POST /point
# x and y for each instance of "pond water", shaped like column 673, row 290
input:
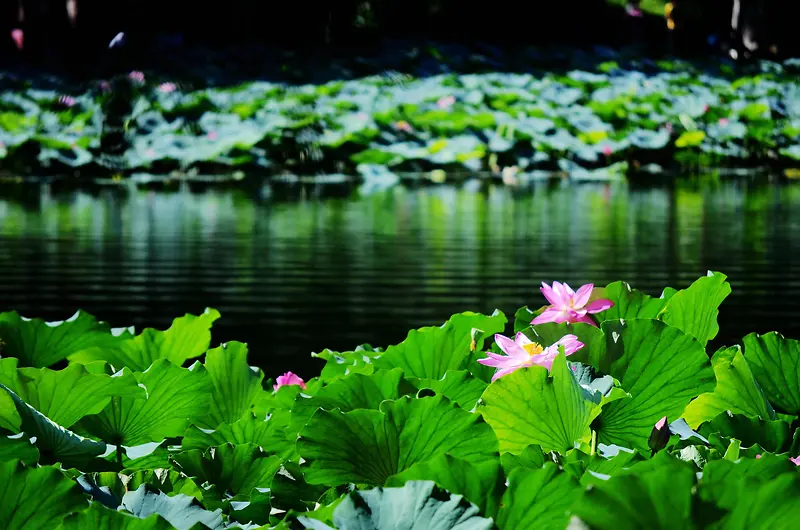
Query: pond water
column 297, row 270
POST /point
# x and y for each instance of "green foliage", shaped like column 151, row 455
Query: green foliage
column 414, row 436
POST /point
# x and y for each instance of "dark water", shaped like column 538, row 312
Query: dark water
column 295, row 272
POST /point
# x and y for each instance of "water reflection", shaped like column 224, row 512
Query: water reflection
column 292, row 275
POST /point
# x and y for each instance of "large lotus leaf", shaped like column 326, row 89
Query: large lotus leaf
column 340, row 364
column 662, row 368
column 175, row 397
column 18, row 448
column 481, row 483
column 352, row 392
column 539, row 498
column 775, row 363
column 182, row 512
column 419, row 505
column 737, row 391
column 54, row 442
column 98, row 517
column 530, row 406
column 430, row 352
column 35, row 497
column 630, row 303
column 532, row 457
column 458, row 386
column 655, row 498
column 369, row 446
column 65, row 396
column 236, row 385
column 771, row 435
column 289, row 490
column 646, row 139
column 695, row 309
column 39, row 344
column 188, row 337
column 269, row 434
column 230, row 469
column 726, row 483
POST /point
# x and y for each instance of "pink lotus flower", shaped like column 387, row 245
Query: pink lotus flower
column 137, row 76
column 18, row 37
column 166, row 88
column 723, row 121
column 288, row 379
column 403, row 126
column 633, row 11
column 523, row 352
column 796, row 460
column 446, row 102
column 705, row 108
column 607, row 150
column 758, row 456
column 570, row 306
column 66, row 101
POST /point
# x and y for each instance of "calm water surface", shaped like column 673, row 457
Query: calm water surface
column 295, row 272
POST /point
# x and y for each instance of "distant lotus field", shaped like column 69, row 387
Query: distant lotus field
column 604, row 120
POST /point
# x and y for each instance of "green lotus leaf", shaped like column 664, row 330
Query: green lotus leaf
column 532, row 406
column 481, row 483
column 36, row 497
column 725, row 482
column 423, row 505
column 180, row 511
column 352, row 392
column 532, row 457
column 339, row 364
column 188, row 337
column 458, row 386
column 771, row 435
column 369, row 446
column 18, row 448
column 289, row 491
column 737, row 391
column 98, row 517
column 695, row 309
column 655, row 498
column 236, row 385
column 40, row 344
column 230, row 469
column 271, row 434
column 175, row 397
column 168, row 481
column 430, row 352
column 539, row 498
column 629, row 303
column 661, row 367
column 690, row 139
column 775, row 363
column 54, row 442
column 65, row 396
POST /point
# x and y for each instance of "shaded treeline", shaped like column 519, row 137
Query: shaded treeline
column 73, row 33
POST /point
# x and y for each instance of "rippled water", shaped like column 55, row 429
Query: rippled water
column 298, row 271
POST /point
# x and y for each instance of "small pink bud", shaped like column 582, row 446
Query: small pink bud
column 723, row 121
column 758, row 456
column 66, row 101
column 212, row 135
column 705, row 108
column 18, row 37
column 446, row 102
column 607, row 150
column 105, row 86
column 403, row 126
column 166, row 88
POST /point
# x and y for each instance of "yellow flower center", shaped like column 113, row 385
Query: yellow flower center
column 533, row 349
